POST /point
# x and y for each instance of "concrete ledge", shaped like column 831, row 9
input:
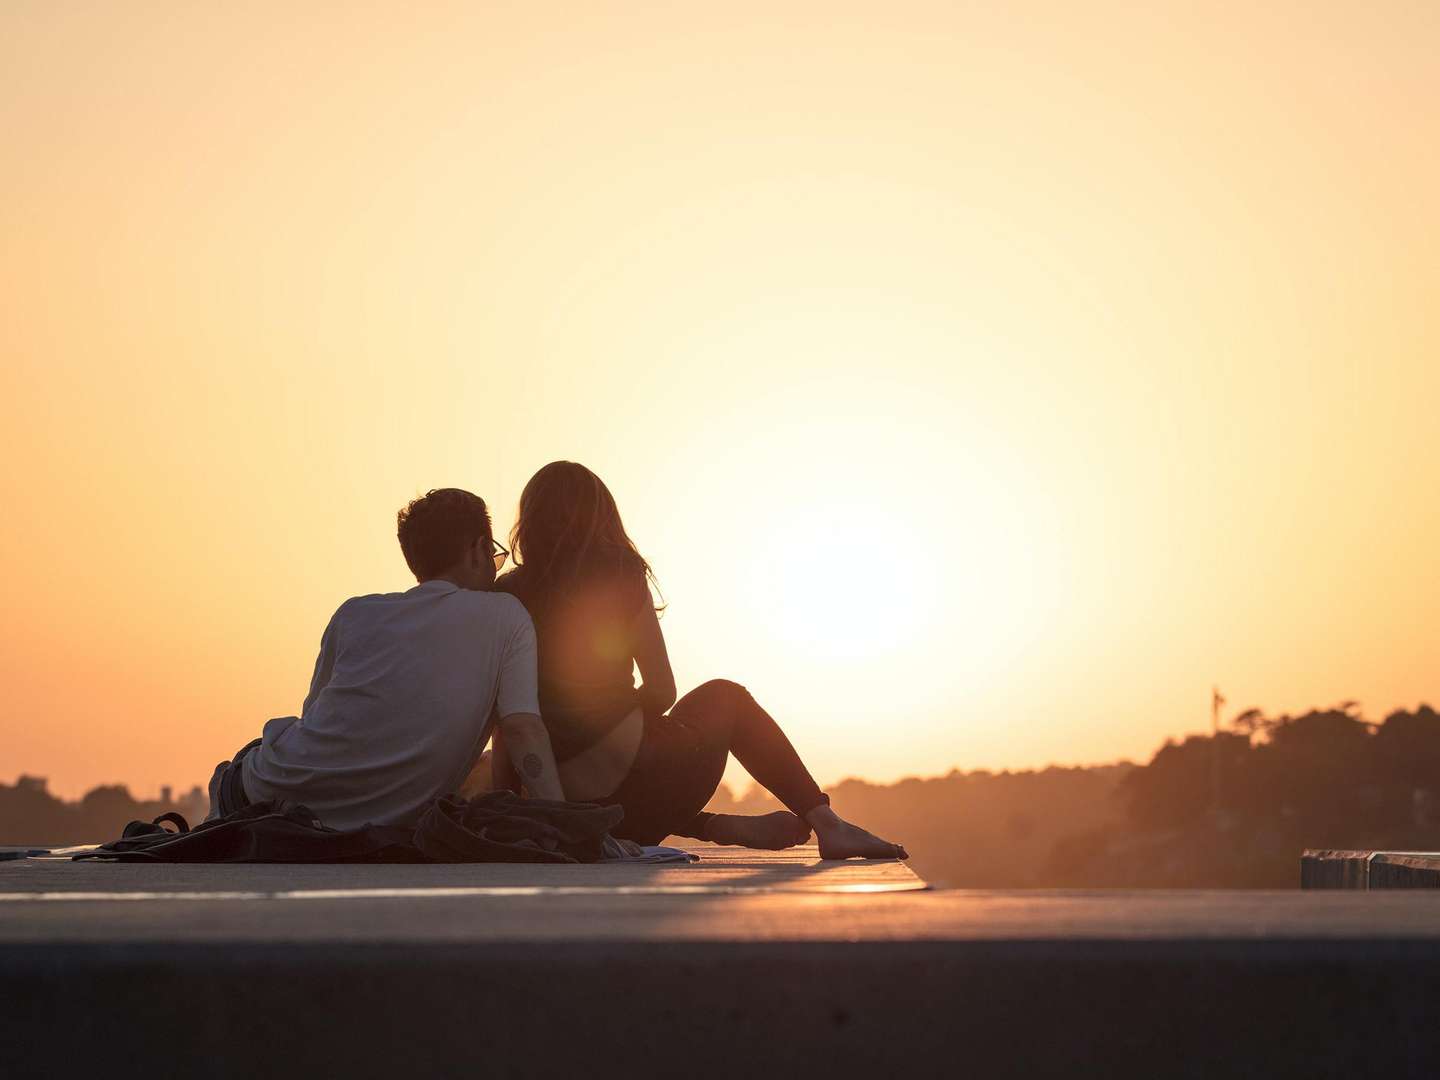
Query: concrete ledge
column 742, row 965
column 1329, row 869
column 713, row 1009
column 1404, row 870
column 1326, row 869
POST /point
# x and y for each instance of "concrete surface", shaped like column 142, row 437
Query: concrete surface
column 1327, row 869
column 745, row 965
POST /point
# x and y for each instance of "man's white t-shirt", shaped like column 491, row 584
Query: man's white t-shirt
column 400, row 704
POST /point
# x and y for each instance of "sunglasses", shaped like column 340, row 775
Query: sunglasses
column 498, row 553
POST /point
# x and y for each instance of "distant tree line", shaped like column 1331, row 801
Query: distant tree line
column 31, row 815
column 1233, row 810
column 1236, row 809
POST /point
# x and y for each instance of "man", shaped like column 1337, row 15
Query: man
column 405, row 687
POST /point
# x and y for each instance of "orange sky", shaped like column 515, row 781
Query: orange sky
column 983, row 381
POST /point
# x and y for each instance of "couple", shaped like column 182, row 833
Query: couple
column 409, row 687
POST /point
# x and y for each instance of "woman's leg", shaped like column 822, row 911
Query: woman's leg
column 681, row 759
column 680, row 763
column 676, row 771
column 758, row 743
column 725, row 712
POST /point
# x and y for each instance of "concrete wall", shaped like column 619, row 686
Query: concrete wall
column 733, row 1010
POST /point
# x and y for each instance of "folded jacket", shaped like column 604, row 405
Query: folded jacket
column 496, row 827
column 500, row 826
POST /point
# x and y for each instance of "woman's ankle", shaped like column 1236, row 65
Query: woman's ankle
column 726, row 829
column 702, row 827
column 823, row 818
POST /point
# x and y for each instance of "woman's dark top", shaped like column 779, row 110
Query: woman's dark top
column 584, row 631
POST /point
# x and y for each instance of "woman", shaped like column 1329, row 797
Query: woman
column 587, row 590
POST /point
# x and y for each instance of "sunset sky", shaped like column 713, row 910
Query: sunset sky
column 983, row 381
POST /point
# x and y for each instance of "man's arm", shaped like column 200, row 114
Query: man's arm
column 503, row 776
column 522, row 735
column 324, row 664
column 527, row 744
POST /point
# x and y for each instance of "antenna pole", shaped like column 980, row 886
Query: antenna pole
column 1216, row 700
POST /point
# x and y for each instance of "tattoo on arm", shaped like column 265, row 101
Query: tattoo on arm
column 532, row 766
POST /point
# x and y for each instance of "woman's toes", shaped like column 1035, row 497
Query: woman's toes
column 853, row 842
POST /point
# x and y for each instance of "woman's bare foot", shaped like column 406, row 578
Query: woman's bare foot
column 771, row 832
column 841, row 840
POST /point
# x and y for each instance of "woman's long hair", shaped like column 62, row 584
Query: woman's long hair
column 569, row 526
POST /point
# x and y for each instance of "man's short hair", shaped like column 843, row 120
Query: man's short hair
column 436, row 529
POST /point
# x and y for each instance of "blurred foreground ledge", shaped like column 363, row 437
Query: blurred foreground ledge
column 746, row 964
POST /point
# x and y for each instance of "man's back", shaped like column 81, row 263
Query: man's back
column 400, row 704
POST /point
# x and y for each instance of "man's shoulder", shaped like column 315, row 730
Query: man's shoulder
column 355, row 603
column 494, row 616
column 496, row 609
column 372, row 607
column 493, row 606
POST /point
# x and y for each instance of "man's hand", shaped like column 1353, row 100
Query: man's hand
column 527, row 743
